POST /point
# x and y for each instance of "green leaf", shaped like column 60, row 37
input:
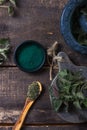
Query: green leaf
column 85, row 102
column 57, row 104
column 68, row 97
column 4, row 41
column 4, row 48
column 74, row 88
column 13, row 2
column 10, row 10
column 63, row 73
column 71, row 87
column 80, row 95
column 77, row 104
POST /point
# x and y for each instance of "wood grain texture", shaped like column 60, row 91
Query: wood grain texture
column 36, row 20
column 65, row 127
column 42, row 3
column 13, row 90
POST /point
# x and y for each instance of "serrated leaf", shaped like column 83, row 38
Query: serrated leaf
column 63, row 73
column 80, row 95
column 4, row 48
column 68, row 97
column 71, row 87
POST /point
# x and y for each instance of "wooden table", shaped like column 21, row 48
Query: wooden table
column 37, row 20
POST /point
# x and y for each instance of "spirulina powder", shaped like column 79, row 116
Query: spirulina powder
column 30, row 57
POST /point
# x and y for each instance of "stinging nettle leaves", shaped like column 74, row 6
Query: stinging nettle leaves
column 79, row 34
column 4, row 49
column 71, row 87
column 10, row 5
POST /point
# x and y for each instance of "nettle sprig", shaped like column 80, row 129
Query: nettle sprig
column 51, row 54
column 72, row 89
column 4, row 49
column 10, row 7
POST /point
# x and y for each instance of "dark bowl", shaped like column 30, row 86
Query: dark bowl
column 30, row 56
column 74, row 25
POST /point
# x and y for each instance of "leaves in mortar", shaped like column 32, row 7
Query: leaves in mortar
column 4, row 49
column 79, row 34
column 77, row 104
column 70, row 89
column 82, row 38
column 84, row 11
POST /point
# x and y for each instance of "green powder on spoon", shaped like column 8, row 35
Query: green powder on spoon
column 33, row 91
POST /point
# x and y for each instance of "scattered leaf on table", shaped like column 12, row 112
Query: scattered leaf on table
column 4, row 49
column 10, row 10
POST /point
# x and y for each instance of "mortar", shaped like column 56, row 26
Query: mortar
column 74, row 25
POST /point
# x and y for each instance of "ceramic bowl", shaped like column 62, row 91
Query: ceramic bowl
column 30, row 56
column 73, row 19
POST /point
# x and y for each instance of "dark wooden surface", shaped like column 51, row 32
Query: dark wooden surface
column 37, row 20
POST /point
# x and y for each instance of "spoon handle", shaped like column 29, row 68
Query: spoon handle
column 22, row 116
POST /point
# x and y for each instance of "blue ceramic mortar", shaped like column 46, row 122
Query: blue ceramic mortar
column 67, row 22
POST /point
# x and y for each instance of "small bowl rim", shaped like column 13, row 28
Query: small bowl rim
column 15, row 55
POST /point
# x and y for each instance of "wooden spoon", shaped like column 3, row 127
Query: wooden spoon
column 27, row 106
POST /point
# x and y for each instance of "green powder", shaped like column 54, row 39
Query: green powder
column 33, row 91
column 30, row 57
